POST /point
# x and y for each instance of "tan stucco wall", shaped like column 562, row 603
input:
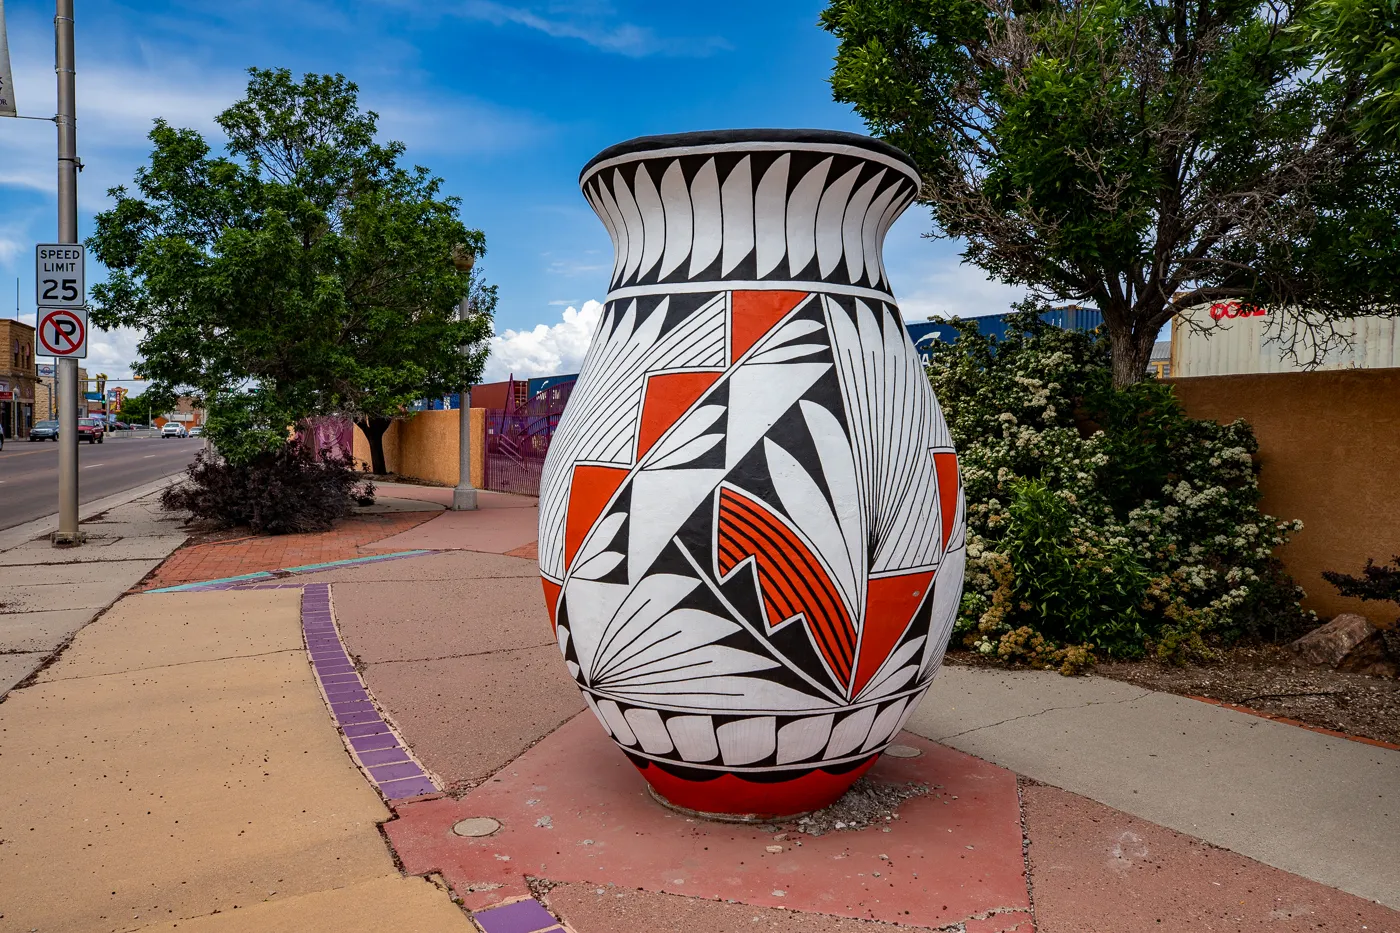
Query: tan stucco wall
column 1329, row 450
column 425, row 447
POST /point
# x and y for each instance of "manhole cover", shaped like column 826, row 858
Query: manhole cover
column 476, row 826
column 903, row 751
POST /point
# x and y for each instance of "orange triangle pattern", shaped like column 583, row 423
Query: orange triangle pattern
column 946, row 467
column 551, row 600
column 890, row 602
column 668, row 396
column 753, row 314
column 589, row 493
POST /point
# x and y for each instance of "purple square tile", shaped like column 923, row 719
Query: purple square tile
column 350, row 678
column 396, row 772
column 370, row 743
column 521, row 917
column 346, row 707
column 325, row 657
column 409, row 787
column 333, row 668
column 357, row 718
column 344, row 693
column 383, row 756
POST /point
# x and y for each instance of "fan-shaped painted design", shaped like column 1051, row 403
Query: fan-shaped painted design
column 750, row 518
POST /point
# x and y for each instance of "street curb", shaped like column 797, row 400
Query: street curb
column 12, row 538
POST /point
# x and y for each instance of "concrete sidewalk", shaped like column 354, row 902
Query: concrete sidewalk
column 177, row 768
column 47, row 594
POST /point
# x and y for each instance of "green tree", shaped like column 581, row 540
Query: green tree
column 304, row 272
column 1144, row 155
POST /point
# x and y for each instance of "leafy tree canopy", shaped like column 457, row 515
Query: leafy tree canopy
column 303, row 272
column 1148, row 155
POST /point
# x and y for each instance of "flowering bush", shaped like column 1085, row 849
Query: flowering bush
column 1102, row 520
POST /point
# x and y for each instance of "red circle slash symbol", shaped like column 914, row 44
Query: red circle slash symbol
column 61, row 332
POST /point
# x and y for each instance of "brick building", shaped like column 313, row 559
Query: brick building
column 46, row 392
column 17, row 378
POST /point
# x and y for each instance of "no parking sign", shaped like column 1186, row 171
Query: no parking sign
column 63, row 332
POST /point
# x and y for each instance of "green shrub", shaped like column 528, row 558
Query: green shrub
column 1100, row 519
column 286, row 490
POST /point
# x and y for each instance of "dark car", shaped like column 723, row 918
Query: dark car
column 119, row 426
column 44, row 431
column 90, row 430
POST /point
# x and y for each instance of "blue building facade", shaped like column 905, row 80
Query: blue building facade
column 1071, row 317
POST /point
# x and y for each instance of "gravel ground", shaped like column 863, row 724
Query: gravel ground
column 867, row 803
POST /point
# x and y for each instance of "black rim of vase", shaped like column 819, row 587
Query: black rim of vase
column 645, row 144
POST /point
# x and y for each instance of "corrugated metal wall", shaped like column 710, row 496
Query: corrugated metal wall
column 1237, row 342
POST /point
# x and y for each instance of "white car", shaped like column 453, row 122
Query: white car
column 174, row 429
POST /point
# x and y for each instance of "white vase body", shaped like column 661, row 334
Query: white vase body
column 751, row 524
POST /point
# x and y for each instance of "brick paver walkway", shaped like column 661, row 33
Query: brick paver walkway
column 247, row 555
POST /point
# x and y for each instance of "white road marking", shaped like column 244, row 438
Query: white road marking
column 148, row 456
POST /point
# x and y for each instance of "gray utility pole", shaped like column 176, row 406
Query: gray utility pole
column 464, row 494
column 67, row 375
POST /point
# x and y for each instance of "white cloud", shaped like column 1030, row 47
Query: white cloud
column 948, row 288
column 588, row 23
column 547, row 350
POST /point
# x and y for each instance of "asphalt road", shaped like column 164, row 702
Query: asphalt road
column 29, row 471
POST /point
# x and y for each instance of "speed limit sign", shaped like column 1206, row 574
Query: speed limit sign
column 60, row 275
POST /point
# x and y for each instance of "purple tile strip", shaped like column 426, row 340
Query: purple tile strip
column 396, row 772
column 412, row 787
column 527, row 916
column 375, row 746
column 383, row 756
column 373, row 742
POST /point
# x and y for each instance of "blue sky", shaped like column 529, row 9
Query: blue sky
column 505, row 100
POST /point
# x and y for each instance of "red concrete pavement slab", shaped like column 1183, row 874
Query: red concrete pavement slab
column 573, row 809
column 497, row 530
column 1098, row 870
column 465, row 717
column 400, row 621
column 588, row 908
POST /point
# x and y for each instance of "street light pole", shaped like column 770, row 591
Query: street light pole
column 464, row 494
column 67, row 376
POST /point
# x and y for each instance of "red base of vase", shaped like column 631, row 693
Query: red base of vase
column 729, row 796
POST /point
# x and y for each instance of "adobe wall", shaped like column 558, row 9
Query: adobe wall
column 425, row 447
column 1329, row 450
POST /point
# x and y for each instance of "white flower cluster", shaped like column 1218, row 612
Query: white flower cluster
column 1150, row 493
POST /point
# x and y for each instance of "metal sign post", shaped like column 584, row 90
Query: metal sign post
column 68, row 166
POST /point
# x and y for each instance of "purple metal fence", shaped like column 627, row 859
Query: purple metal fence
column 518, row 439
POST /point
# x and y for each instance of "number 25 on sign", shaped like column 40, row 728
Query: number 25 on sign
column 60, row 275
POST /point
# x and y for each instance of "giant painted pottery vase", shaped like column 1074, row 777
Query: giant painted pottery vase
column 751, row 525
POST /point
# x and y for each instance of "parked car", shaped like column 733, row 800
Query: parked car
column 119, row 426
column 90, row 430
column 197, row 431
column 174, row 429
column 44, row 431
